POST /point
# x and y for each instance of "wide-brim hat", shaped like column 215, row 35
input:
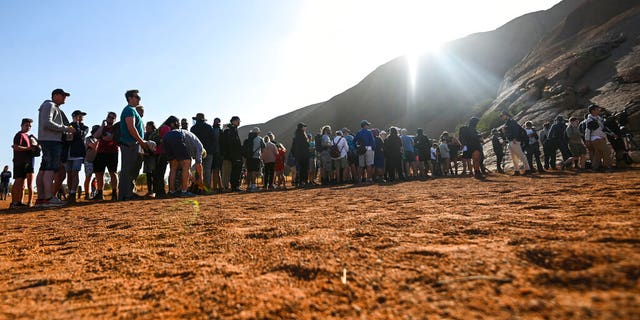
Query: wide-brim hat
column 200, row 117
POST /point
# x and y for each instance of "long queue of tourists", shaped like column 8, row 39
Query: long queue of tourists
column 223, row 160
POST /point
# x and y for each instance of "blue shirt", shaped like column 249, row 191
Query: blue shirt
column 365, row 137
column 407, row 143
column 127, row 112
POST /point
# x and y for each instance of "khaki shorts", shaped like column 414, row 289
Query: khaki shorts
column 340, row 163
column 366, row 159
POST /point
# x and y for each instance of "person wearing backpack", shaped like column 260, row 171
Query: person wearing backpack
column 339, row 151
column 514, row 134
column 269, row 157
column 544, row 141
column 326, row 165
column 596, row 139
column 558, row 140
column 576, row 146
column 533, row 146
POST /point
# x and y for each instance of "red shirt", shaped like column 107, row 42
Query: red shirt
column 162, row 131
column 107, row 146
column 22, row 139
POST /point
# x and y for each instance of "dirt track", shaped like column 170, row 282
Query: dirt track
column 551, row 246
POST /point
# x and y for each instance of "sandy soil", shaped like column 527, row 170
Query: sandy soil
column 550, row 246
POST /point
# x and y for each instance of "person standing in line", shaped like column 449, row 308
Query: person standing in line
column 131, row 141
column 77, row 152
column 422, row 145
column 557, row 140
column 515, row 136
column 91, row 147
column 300, row 152
column 269, row 155
column 184, row 124
column 366, row 145
column 51, row 127
column 204, row 132
column 546, row 145
column 576, row 146
column 106, row 157
column 150, row 158
column 393, row 155
column 498, row 148
column 254, row 158
column 4, row 182
column 471, row 139
column 532, row 148
column 341, row 164
column 596, row 139
column 24, row 148
column 216, row 165
column 231, row 147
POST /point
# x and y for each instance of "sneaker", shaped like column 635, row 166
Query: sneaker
column 516, row 173
column 17, row 205
column 41, row 203
column 98, row 196
column 56, row 202
column 185, row 194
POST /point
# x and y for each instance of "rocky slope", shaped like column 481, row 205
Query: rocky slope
column 448, row 85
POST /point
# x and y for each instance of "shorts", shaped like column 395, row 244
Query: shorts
column 325, row 160
column 174, row 147
column 149, row 164
column 253, row 165
column 4, row 188
column 366, row 159
column 105, row 160
column 352, row 158
column 20, row 170
column 340, row 163
column 409, row 156
column 577, row 149
column 75, row 165
column 217, row 162
column 51, row 155
column 88, row 168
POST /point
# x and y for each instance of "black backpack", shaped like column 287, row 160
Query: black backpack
column 247, row 148
column 116, row 133
column 334, row 150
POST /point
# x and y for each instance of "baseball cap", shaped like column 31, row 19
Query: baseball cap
column 364, row 123
column 78, row 112
column 60, row 91
column 593, row 106
column 301, row 125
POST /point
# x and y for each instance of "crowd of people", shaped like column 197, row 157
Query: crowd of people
column 210, row 158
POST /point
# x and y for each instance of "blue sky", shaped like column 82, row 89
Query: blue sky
column 253, row 58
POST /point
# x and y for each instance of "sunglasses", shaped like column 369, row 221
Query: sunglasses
column 112, row 118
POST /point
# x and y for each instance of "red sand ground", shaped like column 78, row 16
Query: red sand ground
column 550, row 246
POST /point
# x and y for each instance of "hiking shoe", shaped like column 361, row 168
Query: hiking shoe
column 516, row 173
column 98, row 196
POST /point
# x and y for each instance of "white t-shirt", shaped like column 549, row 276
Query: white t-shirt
column 342, row 144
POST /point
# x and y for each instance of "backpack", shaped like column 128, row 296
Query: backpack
column 334, row 150
column 247, row 148
column 155, row 137
column 522, row 135
column 116, row 133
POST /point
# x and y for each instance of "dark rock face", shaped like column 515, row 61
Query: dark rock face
column 537, row 66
